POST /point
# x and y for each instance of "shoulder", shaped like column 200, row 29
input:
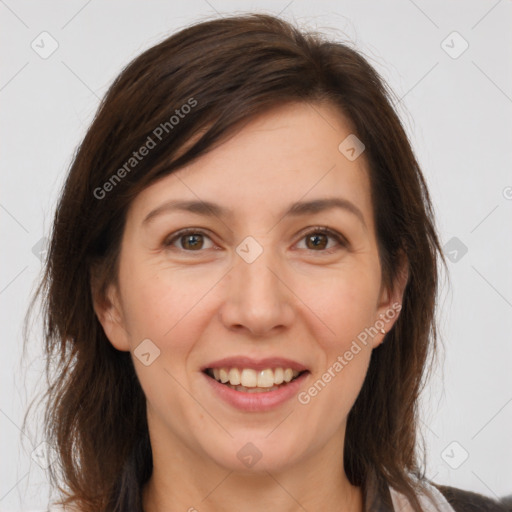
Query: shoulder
column 467, row 501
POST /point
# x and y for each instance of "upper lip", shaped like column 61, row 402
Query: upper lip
column 255, row 364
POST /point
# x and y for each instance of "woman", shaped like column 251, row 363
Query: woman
column 240, row 286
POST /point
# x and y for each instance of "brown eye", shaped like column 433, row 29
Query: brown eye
column 318, row 240
column 192, row 241
column 188, row 240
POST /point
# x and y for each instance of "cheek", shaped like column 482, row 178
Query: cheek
column 345, row 302
column 157, row 305
column 327, row 400
column 344, row 362
column 342, row 311
column 170, row 313
column 171, row 309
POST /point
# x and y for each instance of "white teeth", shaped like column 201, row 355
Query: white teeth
column 266, row 379
column 223, row 375
column 234, row 377
column 288, row 375
column 278, row 376
column 249, row 378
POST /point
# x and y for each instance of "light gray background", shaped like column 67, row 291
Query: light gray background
column 457, row 112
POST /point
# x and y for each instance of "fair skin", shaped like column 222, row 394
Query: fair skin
column 298, row 300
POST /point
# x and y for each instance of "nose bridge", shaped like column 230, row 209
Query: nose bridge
column 258, row 282
column 256, row 277
column 257, row 298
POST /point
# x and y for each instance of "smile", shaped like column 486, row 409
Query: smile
column 254, row 384
column 248, row 380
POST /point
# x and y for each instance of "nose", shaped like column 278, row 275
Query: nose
column 258, row 299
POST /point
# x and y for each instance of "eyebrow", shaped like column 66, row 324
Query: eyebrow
column 209, row 209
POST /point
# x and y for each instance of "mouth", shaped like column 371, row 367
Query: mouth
column 250, row 380
column 255, row 385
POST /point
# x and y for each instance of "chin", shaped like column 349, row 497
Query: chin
column 254, row 454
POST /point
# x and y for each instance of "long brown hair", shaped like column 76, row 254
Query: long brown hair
column 227, row 71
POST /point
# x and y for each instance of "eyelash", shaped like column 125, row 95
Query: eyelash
column 319, row 230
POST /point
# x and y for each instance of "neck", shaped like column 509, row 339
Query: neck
column 185, row 480
column 253, row 493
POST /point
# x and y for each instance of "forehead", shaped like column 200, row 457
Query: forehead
column 288, row 154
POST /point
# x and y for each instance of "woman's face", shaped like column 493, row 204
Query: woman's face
column 251, row 290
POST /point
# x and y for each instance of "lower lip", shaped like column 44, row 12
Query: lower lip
column 255, row 402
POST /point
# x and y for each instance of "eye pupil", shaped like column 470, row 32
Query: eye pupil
column 191, row 241
column 315, row 240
